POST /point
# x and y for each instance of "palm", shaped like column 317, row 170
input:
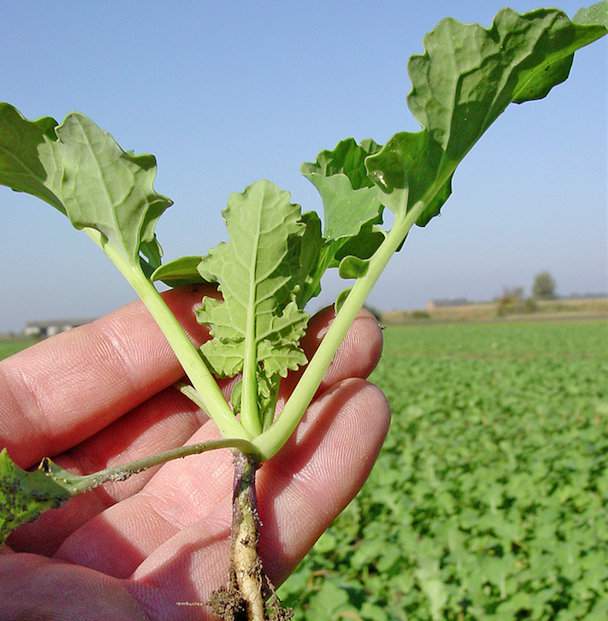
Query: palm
column 156, row 546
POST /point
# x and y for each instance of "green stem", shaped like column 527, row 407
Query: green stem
column 271, row 441
column 188, row 355
column 250, row 416
column 78, row 484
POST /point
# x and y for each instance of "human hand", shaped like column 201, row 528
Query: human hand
column 156, row 545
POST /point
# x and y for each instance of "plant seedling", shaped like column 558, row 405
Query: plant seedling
column 276, row 255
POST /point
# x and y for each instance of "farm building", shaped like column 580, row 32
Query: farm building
column 44, row 329
column 431, row 305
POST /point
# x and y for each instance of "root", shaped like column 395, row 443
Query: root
column 249, row 596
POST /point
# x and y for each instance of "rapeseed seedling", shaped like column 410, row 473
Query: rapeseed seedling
column 274, row 259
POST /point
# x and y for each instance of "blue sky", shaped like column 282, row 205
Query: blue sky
column 227, row 93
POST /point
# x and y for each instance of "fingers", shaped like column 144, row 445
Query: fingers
column 300, row 493
column 181, row 492
column 63, row 390
column 319, row 471
column 187, row 490
column 358, row 354
column 166, row 421
column 32, row 587
column 163, row 422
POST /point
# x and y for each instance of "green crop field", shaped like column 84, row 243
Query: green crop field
column 12, row 346
column 490, row 498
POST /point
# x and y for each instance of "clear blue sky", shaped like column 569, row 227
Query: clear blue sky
column 226, row 93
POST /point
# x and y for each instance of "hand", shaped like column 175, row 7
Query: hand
column 102, row 395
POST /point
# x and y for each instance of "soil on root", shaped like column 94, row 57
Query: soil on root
column 249, row 595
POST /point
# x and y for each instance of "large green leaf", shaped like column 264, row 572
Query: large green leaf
column 106, row 188
column 255, row 273
column 81, row 170
column 465, row 79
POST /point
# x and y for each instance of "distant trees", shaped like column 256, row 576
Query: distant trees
column 544, row 286
column 513, row 302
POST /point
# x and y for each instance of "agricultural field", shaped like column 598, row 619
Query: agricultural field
column 12, row 346
column 489, row 500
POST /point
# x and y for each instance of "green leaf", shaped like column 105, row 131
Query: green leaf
column 27, row 157
column 25, row 495
column 363, row 245
column 179, row 272
column 351, row 208
column 405, row 168
column 236, row 395
column 105, row 188
column 353, row 267
column 595, row 14
column 465, row 79
column 341, row 299
column 254, row 271
column 151, row 254
column 429, row 576
column 349, row 196
column 306, row 259
column 327, row 601
column 81, row 170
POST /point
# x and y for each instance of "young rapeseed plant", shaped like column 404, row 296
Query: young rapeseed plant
column 275, row 257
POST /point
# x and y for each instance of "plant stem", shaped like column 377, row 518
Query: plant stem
column 79, row 483
column 245, row 563
column 271, row 441
column 188, row 355
column 249, row 594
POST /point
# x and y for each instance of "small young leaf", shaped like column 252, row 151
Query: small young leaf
column 179, row 272
column 256, row 278
column 236, row 395
column 305, row 260
column 349, row 196
column 151, row 255
column 353, row 267
column 341, row 299
column 351, row 206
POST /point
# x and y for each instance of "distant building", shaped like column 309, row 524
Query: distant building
column 584, row 296
column 431, row 305
column 43, row 329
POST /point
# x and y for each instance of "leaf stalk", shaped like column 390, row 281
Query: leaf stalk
column 210, row 394
column 78, row 484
